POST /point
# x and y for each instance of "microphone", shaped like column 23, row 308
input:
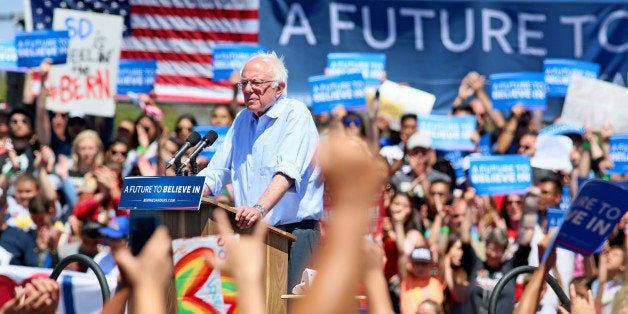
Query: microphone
column 209, row 139
column 191, row 141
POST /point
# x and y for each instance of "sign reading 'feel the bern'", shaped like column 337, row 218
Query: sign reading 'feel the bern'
column 162, row 193
column 508, row 174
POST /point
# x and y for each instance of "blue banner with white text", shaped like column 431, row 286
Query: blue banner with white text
column 432, row 45
column 162, row 193
column 329, row 91
column 8, row 56
column 619, row 154
column 449, row 132
column 558, row 73
column 526, row 88
column 33, row 47
column 371, row 65
column 505, row 174
column 136, row 76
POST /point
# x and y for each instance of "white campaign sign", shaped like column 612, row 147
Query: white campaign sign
column 87, row 82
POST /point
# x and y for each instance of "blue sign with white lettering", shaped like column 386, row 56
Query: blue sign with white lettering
column 506, row 174
column 619, row 154
column 371, row 65
column 136, row 76
column 449, row 132
column 555, row 217
column 329, row 91
column 162, row 193
column 526, row 88
column 593, row 214
column 227, row 58
column 209, row 152
column 8, row 56
column 558, row 72
column 561, row 128
column 32, row 48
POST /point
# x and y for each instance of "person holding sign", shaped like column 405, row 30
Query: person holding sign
column 268, row 157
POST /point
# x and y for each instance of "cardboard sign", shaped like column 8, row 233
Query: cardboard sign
column 593, row 214
column 87, row 81
column 558, row 73
column 209, row 152
column 506, row 174
column 136, row 76
column 227, row 58
column 449, row 132
column 329, row 91
column 162, row 193
column 370, row 65
column 619, row 154
column 526, row 88
column 396, row 100
column 595, row 103
column 32, row 48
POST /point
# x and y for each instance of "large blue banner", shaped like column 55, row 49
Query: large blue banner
column 504, row 174
column 432, row 45
column 32, row 48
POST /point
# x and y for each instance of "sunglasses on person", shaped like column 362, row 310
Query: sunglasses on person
column 355, row 121
column 121, row 152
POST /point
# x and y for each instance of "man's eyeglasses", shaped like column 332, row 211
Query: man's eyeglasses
column 356, row 121
column 254, row 84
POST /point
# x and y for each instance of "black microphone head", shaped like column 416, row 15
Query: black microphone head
column 193, row 138
column 211, row 137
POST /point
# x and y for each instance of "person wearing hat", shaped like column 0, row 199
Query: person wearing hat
column 416, row 173
column 116, row 235
column 417, row 282
column 91, row 243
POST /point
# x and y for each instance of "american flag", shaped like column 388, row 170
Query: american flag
column 179, row 34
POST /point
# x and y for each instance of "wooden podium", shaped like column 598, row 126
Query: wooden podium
column 187, row 223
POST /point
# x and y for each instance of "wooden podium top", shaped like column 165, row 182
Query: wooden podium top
column 232, row 210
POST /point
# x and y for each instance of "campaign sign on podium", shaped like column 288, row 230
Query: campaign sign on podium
column 162, row 193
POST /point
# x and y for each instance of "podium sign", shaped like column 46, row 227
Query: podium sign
column 162, row 193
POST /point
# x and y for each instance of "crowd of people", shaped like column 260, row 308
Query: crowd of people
column 398, row 220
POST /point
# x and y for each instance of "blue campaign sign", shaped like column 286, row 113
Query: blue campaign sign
column 136, row 76
column 555, row 217
column 209, row 152
column 371, row 65
column 485, row 147
column 161, row 193
column 558, row 73
column 455, row 158
column 619, row 154
column 505, row 174
column 509, row 89
column 33, row 47
column 227, row 58
column 8, row 56
column 562, row 128
column 449, row 132
column 329, row 91
column 593, row 214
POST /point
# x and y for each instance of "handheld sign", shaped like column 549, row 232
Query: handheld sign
column 509, row 89
column 209, row 151
column 558, row 72
column 8, row 56
column 619, row 154
column 593, row 214
column 32, row 48
column 555, row 217
column 370, row 65
column 227, row 58
column 449, row 132
column 562, row 128
column 161, row 193
column 396, row 100
column 329, row 91
column 136, row 76
column 507, row 174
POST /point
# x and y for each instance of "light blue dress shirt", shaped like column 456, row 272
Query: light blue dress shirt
column 283, row 140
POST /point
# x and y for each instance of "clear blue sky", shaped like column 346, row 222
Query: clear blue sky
column 7, row 29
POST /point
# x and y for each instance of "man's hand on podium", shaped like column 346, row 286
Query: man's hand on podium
column 246, row 216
